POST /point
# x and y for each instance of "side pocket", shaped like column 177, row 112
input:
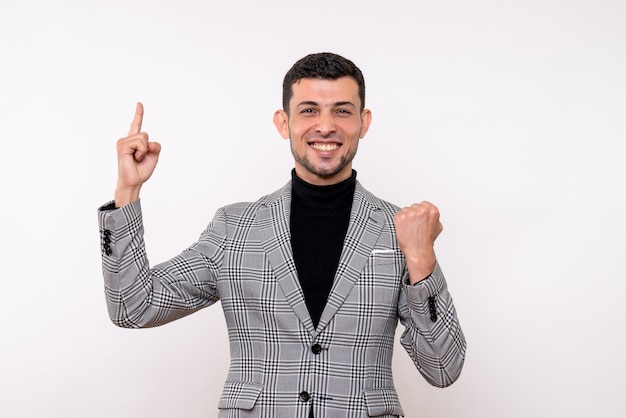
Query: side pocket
column 239, row 395
column 383, row 401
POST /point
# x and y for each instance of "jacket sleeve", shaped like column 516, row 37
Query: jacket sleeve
column 432, row 337
column 138, row 296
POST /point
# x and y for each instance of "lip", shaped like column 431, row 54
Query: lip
column 325, row 152
column 325, row 147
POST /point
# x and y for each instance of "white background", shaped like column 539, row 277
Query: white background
column 509, row 115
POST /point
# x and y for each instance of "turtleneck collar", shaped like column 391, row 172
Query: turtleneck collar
column 323, row 197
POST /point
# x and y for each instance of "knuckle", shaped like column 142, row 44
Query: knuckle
column 121, row 143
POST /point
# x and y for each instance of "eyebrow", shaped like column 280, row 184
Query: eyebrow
column 336, row 104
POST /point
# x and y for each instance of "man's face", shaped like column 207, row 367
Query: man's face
column 324, row 126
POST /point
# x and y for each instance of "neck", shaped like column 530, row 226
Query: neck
column 331, row 196
column 318, row 180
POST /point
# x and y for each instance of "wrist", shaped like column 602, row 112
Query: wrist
column 125, row 196
column 420, row 266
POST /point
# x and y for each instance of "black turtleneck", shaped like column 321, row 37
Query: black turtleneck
column 319, row 222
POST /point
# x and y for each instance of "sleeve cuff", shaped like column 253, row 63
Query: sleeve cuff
column 430, row 286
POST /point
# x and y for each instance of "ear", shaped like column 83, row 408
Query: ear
column 366, row 119
column 281, row 122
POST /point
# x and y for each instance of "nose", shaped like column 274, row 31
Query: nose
column 326, row 124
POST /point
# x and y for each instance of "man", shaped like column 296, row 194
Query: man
column 312, row 278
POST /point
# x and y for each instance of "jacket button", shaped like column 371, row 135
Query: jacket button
column 316, row 348
column 432, row 307
column 304, row 396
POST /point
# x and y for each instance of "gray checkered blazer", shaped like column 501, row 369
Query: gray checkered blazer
column 281, row 365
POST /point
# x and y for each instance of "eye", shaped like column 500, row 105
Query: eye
column 344, row 112
column 307, row 111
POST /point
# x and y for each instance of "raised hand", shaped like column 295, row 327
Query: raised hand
column 417, row 228
column 136, row 159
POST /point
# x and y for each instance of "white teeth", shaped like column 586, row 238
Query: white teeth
column 324, row 147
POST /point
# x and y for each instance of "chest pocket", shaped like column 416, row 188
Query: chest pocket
column 383, row 257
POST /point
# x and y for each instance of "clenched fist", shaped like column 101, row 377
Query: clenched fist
column 136, row 160
column 417, row 228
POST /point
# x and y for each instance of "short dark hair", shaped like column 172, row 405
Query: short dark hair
column 323, row 65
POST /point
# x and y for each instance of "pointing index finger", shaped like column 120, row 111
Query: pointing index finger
column 135, row 126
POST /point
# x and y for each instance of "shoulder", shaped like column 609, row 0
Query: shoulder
column 237, row 218
column 375, row 202
column 249, row 209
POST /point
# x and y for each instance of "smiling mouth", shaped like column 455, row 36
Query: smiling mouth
column 320, row 146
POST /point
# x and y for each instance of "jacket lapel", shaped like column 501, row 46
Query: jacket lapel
column 274, row 232
column 366, row 224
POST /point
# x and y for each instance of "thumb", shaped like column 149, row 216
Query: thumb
column 154, row 148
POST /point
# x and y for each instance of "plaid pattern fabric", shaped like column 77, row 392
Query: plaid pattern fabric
column 281, row 365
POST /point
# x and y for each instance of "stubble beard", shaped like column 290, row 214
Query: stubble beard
column 321, row 172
